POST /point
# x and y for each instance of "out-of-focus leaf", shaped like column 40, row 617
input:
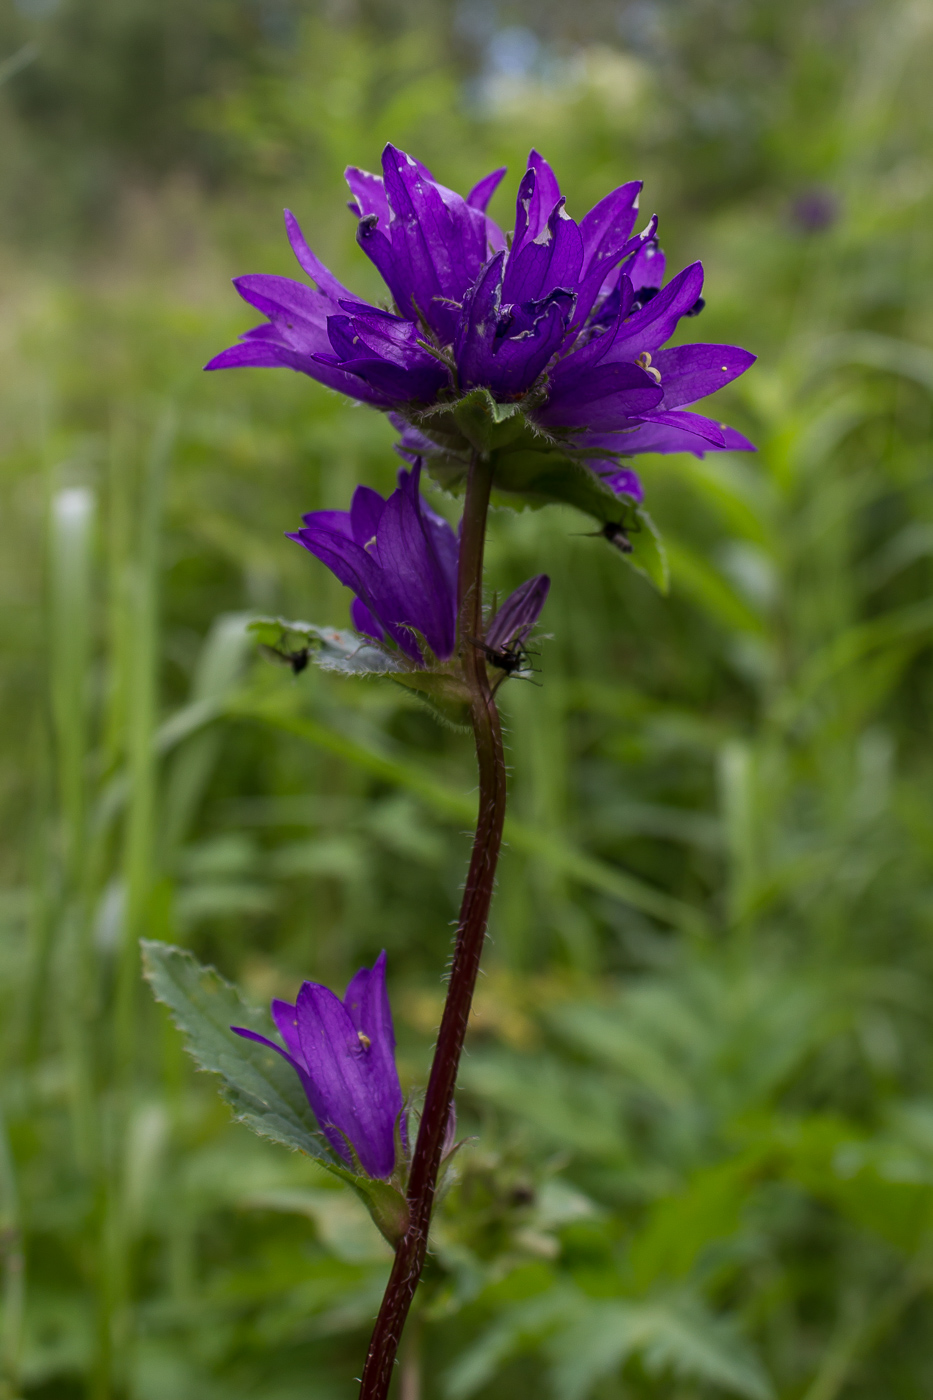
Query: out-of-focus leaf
column 677, row 1335
column 521, row 1327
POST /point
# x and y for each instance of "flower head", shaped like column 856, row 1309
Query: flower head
column 569, row 319
column 344, row 1054
column 400, row 558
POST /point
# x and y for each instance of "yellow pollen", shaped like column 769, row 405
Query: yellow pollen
column 644, row 360
column 364, row 1040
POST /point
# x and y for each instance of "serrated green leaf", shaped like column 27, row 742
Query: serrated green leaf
column 263, row 1090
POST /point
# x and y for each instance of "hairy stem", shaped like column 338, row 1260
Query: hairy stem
column 471, row 933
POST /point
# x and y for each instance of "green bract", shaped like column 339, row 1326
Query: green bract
column 533, row 468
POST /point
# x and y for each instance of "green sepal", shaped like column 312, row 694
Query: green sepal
column 488, row 426
column 444, row 692
column 263, row 1090
column 386, row 1203
column 331, row 648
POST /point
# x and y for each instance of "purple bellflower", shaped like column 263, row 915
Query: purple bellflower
column 344, row 1054
column 569, row 319
column 400, row 559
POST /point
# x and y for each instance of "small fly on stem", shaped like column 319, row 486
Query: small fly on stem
column 513, row 659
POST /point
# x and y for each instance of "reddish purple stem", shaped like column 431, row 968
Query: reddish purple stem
column 471, row 933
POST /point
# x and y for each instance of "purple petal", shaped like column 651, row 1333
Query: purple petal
column 360, row 1096
column 363, row 620
column 442, row 539
column 384, row 351
column 401, row 562
column 412, row 444
column 297, row 307
column 606, row 228
column 647, row 267
column 479, row 322
column 365, row 513
column 310, row 262
column 622, row 480
column 545, row 196
column 634, row 245
column 369, row 194
column 603, row 398
column 367, row 1002
column 506, row 349
column 478, row 198
column 356, row 569
column 522, row 210
column 417, row 591
column 574, row 369
column 691, row 372
column 483, row 191
column 387, row 336
column 438, row 243
column 286, row 1023
column 669, row 436
column 392, row 384
column 297, row 1063
column 518, row 614
column 261, row 354
column 649, row 328
column 337, row 520
column 690, row 423
column 551, row 260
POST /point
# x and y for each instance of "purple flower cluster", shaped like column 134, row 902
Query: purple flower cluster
column 570, row 319
column 400, row 559
column 344, row 1054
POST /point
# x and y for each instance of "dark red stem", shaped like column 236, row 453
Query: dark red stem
column 471, row 933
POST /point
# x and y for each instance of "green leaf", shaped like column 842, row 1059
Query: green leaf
column 518, row 1329
column 648, row 556
column 676, row 1335
column 329, row 647
column 263, row 1090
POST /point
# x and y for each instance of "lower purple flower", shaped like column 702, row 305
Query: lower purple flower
column 400, row 558
column 344, row 1054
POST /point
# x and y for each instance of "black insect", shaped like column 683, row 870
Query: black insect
column 512, row 658
column 297, row 660
column 616, row 532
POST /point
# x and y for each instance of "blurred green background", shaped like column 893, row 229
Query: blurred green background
column 700, row 1079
